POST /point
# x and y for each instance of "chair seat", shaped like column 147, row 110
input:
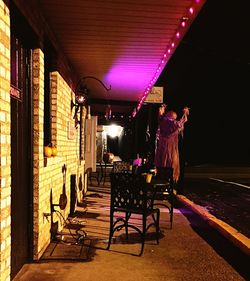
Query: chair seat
column 135, row 211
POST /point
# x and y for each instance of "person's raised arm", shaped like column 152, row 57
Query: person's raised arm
column 184, row 116
column 186, row 110
column 161, row 112
column 162, row 109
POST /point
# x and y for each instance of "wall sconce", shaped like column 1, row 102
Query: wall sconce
column 81, row 96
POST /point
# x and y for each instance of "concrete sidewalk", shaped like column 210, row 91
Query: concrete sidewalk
column 190, row 251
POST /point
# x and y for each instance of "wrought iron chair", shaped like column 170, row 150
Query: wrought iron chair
column 121, row 166
column 90, row 174
column 164, row 191
column 129, row 195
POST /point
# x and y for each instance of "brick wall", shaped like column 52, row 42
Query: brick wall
column 5, row 150
column 49, row 178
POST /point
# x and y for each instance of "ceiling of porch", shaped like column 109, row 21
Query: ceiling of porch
column 124, row 44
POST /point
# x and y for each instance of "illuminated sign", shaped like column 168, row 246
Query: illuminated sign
column 155, row 96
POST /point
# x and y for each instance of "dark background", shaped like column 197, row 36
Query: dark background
column 210, row 73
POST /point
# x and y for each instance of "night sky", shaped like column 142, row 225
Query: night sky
column 210, row 73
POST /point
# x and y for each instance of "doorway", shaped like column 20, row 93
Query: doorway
column 21, row 156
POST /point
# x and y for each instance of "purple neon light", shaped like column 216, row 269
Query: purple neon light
column 140, row 80
column 121, row 75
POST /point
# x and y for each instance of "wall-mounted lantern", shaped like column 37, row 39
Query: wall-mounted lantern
column 81, row 96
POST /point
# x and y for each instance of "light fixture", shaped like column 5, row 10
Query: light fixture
column 81, row 96
column 113, row 130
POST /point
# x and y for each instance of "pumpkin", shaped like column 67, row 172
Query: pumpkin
column 47, row 151
column 54, row 151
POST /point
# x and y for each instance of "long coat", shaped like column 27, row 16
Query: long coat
column 167, row 153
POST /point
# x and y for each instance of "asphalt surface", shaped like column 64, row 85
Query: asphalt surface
column 227, row 199
column 223, row 190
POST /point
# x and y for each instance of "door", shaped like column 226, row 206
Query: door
column 21, row 157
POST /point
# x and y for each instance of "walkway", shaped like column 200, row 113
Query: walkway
column 190, row 251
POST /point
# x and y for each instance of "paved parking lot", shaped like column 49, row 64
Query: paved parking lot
column 227, row 199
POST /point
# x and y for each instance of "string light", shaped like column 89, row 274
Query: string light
column 191, row 10
column 183, row 23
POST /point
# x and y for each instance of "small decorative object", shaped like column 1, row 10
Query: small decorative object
column 111, row 157
column 137, row 161
column 148, row 178
column 47, row 151
column 108, row 157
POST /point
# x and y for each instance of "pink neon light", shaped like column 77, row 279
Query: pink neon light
column 191, row 10
column 183, row 24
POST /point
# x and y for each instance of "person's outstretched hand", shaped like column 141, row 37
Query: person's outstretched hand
column 186, row 110
column 162, row 109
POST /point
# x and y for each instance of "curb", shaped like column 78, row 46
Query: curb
column 237, row 238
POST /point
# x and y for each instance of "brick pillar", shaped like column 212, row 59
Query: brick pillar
column 38, row 93
column 54, row 108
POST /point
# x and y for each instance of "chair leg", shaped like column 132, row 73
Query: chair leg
column 144, row 227
column 126, row 224
column 157, row 226
column 98, row 178
column 171, row 212
column 111, row 231
column 170, row 208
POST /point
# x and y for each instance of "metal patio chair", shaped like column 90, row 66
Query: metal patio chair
column 163, row 186
column 129, row 195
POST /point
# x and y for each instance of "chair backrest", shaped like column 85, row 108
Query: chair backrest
column 165, row 174
column 121, row 166
column 129, row 191
column 164, row 181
